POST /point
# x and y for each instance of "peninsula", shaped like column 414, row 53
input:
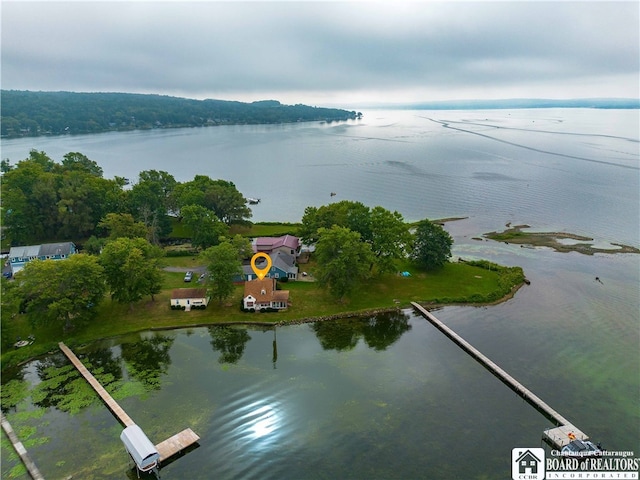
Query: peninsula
column 32, row 114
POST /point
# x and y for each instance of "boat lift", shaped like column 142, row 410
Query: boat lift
column 142, row 451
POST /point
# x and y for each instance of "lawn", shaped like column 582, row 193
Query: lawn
column 455, row 283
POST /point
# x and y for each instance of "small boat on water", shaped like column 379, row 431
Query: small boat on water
column 581, row 449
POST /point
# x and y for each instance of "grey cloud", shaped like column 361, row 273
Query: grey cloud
column 222, row 49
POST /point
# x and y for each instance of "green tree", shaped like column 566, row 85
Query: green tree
column 22, row 197
column 5, row 165
column 390, row 238
column 9, row 305
column 206, row 228
column 79, row 162
column 352, row 215
column 131, row 269
column 151, row 200
column 61, row 291
column 343, row 260
column 220, row 196
column 123, row 225
column 431, row 246
column 241, row 244
column 222, row 264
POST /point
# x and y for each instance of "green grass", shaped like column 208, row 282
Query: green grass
column 261, row 229
column 455, row 283
column 266, row 229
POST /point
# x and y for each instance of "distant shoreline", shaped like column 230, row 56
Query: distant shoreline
column 517, row 104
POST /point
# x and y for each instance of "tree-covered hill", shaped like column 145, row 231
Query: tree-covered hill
column 26, row 113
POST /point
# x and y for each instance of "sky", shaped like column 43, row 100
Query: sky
column 327, row 53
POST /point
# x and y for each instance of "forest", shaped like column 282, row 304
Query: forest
column 43, row 200
column 27, row 113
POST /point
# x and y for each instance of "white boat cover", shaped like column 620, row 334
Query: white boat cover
column 143, row 452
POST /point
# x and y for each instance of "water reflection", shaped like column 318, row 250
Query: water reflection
column 61, row 385
column 378, row 331
column 148, row 359
column 230, row 342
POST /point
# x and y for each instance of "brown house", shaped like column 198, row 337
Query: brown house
column 262, row 294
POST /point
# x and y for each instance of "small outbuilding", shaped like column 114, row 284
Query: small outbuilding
column 188, row 298
column 142, row 451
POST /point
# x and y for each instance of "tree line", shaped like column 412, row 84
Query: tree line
column 44, row 201
column 26, row 113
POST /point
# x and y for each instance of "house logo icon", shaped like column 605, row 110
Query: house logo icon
column 527, row 464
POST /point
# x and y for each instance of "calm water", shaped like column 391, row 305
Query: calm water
column 550, row 168
column 385, row 398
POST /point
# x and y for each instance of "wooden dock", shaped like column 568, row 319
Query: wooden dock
column 558, row 437
column 20, row 450
column 117, row 410
column 168, row 448
column 177, row 443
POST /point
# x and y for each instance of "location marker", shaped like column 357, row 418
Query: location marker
column 261, row 272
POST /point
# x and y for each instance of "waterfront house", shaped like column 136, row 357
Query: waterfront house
column 20, row 256
column 283, row 266
column 286, row 244
column 188, row 298
column 262, row 295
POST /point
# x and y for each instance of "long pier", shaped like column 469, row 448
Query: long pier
column 558, row 437
column 20, row 450
column 117, row 410
column 168, row 448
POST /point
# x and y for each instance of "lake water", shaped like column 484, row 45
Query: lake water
column 560, row 169
column 385, row 398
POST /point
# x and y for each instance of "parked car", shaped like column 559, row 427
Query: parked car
column 188, row 276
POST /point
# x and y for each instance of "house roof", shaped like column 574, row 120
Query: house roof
column 270, row 243
column 179, row 293
column 255, row 288
column 56, row 248
column 284, row 262
column 25, row 251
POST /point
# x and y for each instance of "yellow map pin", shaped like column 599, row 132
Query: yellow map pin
column 261, row 272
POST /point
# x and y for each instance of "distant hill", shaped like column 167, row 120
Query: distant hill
column 620, row 103
column 26, row 113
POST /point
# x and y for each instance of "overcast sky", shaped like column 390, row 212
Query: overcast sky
column 325, row 53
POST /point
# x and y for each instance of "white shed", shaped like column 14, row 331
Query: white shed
column 143, row 452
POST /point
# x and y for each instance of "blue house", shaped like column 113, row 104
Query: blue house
column 19, row 256
column 283, row 265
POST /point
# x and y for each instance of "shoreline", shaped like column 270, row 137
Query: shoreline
column 281, row 323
